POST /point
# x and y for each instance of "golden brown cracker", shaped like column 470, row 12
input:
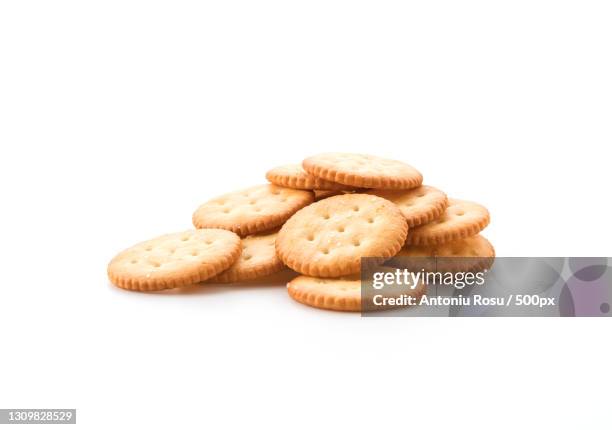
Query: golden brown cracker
column 461, row 219
column 258, row 259
column 329, row 237
column 419, row 205
column 344, row 294
column 174, row 260
column 294, row 176
column 252, row 210
column 363, row 171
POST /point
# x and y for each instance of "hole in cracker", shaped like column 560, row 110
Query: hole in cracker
column 356, row 243
column 421, row 195
column 155, row 264
column 370, row 220
column 341, row 229
column 326, row 216
column 194, row 253
column 208, row 242
column 149, row 248
column 184, row 238
column 134, row 261
column 247, row 257
column 325, row 251
column 356, row 208
column 460, row 213
column 310, row 238
column 226, row 211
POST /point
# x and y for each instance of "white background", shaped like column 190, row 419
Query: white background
column 118, row 118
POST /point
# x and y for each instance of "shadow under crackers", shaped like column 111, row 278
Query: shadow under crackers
column 276, row 280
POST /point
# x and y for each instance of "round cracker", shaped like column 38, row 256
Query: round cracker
column 474, row 253
column 338, row 294
column 461, row 219
column 174, row 260
column 363, row 171
column 329, row 237
column 341, row 294
column 251, row 210
column 419, row 205
column 258, row 259
column 294, row 176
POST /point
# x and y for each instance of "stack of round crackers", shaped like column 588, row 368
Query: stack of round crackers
column 318, row 218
